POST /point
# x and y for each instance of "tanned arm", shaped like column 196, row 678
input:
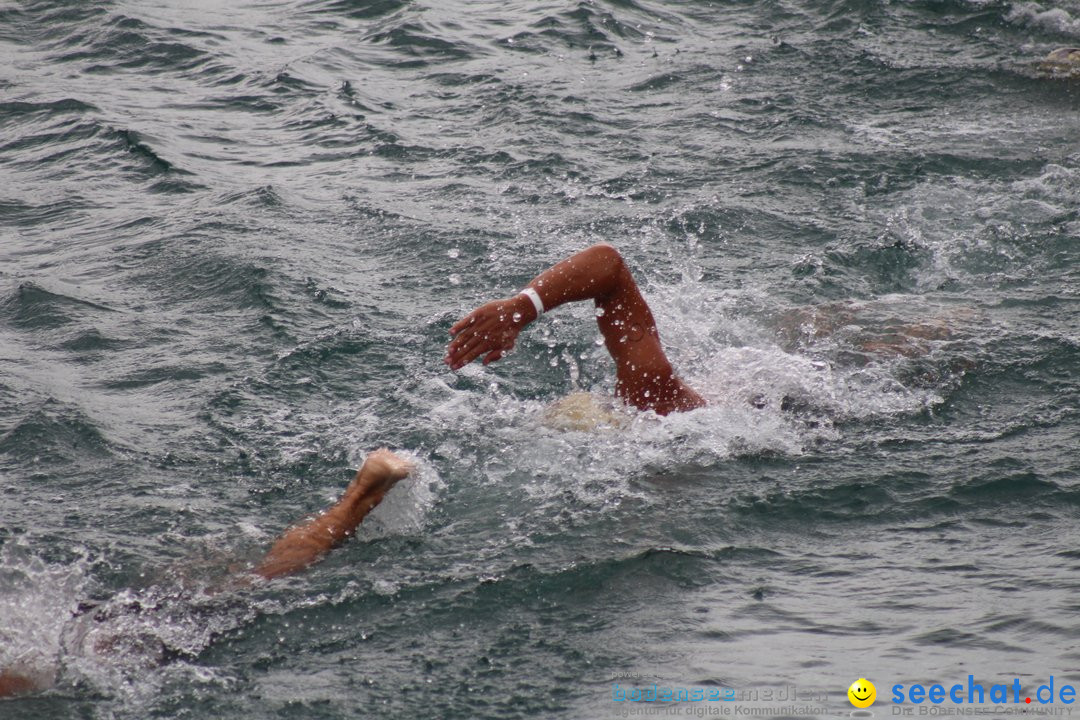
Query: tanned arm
column 644, row 377
column 306, row 543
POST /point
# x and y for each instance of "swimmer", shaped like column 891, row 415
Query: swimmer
column 644, row 377
column 300, row 546
column 876, row 334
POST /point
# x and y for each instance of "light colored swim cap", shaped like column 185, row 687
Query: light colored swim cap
column 585, row 412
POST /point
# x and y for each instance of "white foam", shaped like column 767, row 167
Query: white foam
column 36, row 599
column 972, row 228
column 405, row 508
column 126, row 645
column 118, row 646
column 1053, row 19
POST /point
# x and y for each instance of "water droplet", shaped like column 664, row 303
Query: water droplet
column 517, row 317
column 599, row 340
column 647, row 393
column 553, row 362
column 454, row 279
column 453, row 252
column 599, row 312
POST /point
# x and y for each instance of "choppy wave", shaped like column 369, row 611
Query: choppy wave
column 1056, row 20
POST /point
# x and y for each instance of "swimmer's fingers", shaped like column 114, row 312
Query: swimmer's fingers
column 468, row 343
column 473, row 343
column 459, row 360
column 466, row 333
column 463, row 323
column 485, row 312
column 498, row 354
column 466, row 347
column 493, row 346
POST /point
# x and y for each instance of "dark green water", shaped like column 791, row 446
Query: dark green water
column 233, row 237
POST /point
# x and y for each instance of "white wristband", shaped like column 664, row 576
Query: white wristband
column 536, row 301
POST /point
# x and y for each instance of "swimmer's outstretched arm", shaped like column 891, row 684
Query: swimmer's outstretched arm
column 306, row 543
column 643, row 375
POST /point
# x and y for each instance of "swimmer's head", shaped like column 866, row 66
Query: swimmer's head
column 1063, row 61
column 584, row 412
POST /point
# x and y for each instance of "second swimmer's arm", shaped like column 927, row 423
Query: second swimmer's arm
column 307, row 542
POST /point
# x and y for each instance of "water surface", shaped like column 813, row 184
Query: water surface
column 232, row 240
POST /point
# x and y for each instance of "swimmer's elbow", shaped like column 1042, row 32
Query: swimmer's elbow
column 605, row 251
column 604, row 255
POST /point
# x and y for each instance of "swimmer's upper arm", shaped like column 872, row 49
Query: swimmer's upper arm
column 635, row 345
column 644, row 376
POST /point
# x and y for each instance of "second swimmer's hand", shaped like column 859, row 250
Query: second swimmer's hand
column 489, row 330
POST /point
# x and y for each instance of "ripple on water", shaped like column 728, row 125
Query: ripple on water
column 52, row 432
column 31, row 307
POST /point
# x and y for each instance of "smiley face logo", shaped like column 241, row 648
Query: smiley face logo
column 862, row 693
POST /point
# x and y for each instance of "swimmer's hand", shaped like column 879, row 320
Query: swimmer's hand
column 489, row 330
column 381, row 470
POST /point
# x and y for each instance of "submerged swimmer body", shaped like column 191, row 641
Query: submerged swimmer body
column 300, row 546
column 644, row 377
